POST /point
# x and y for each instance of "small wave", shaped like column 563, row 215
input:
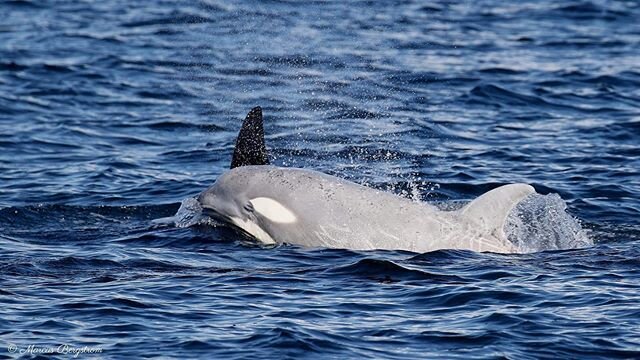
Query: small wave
column 354, row 113
column 23, row 4
column 584, row 43
column 298, row 61
column 174, row 125
column 387, row 271
column 496, row 95
column 78, row 263
column 120, row 329
column 500, row 71
column 12, row 66
column 589, row 11
column 176, row 18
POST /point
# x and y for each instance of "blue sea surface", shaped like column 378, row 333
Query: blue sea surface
column 113, row 112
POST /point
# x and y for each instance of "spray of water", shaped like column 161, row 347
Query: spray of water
column 189, row 214
column 540, row 222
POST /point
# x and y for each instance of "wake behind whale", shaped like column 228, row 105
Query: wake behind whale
column 288, row 205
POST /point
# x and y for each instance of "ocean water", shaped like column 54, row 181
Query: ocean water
column 113, row 113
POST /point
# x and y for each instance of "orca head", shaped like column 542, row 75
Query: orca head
column 228, row 200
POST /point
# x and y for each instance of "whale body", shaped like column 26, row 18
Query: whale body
column 309, row 208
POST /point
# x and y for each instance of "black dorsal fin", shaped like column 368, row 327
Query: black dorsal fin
column 250, row 148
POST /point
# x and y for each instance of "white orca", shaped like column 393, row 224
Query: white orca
column 297, row 206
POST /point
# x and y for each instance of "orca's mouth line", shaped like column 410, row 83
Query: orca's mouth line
column 228, row 222
column 221, row 218
column 214, row 214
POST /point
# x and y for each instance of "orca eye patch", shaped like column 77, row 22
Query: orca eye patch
column 272, row 210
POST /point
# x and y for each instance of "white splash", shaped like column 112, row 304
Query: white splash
column 189, row 214
column 540, row 222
